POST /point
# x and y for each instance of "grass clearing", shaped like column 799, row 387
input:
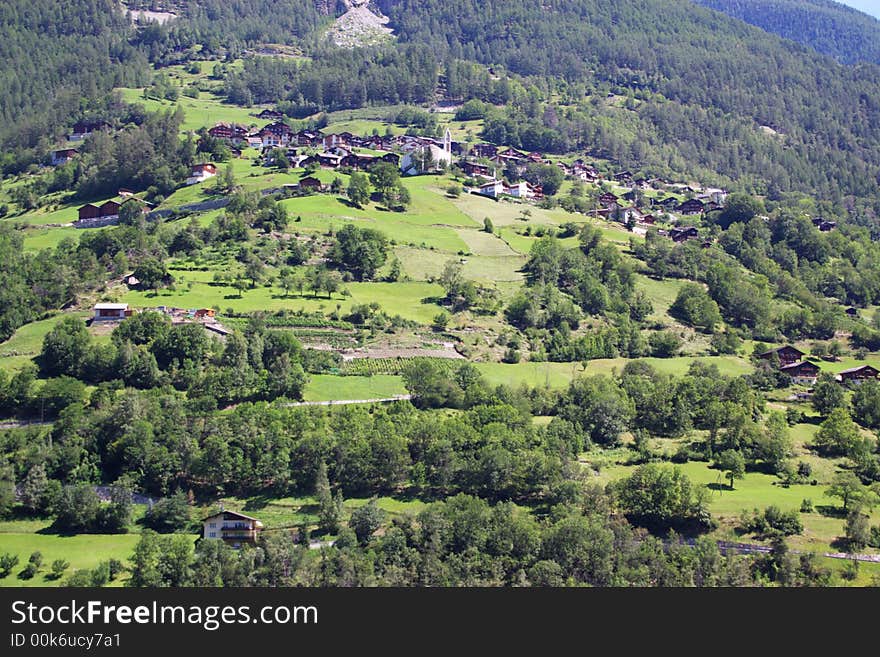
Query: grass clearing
column 327, row 387
column 82, row 551
column 422, row 264
column 404, row 299
column 558, row 375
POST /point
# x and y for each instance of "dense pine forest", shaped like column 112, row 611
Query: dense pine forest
column 830, row 28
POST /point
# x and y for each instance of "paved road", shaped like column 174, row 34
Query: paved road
column 22, row 425
column 751, row 548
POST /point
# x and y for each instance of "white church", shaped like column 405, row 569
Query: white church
column 416, row 156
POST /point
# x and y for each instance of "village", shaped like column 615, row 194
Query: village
column 480, row 164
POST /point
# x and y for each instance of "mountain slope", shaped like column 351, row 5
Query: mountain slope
column 702, row 83
column 828, row 27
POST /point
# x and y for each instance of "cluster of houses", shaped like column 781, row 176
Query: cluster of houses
column 107, row 213
column 334, row 150
column 803, row 372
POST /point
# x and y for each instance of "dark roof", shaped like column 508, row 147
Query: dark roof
column 236, row 514
column 860, row 368
column 798, row 366
column 786, row 347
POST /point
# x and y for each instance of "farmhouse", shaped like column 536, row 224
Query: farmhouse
column 63, row 156
column 270, row 115
column 342, row 139
column 858, row 374
column 684, row 233
column 230, row 132
column 231, row 527
column 525, row 190
column 106, row 214
column 473, row 169
column 110, row 312
column 310, row 182
column 307, row 138
column 607, row 199
column 803, row 373
column 669, row 203
column 692, row 206
column 494, row 188
column 787, row 355
column 83, row 128
column 201, row 172
column 484, row 150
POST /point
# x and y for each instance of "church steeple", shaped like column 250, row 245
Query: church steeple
column 447, row 141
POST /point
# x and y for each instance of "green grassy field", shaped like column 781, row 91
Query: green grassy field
column 404, row 299
column 662, row 293
column 321, row 213
column 27, row 341
column 327, row 387
column 759, row 490
column 556, row 375
column 49, row 238
column 204, row 111
column 421, row 264
column 82, row 551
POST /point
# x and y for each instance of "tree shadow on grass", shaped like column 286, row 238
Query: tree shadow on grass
column 830, row 511
column 841, row 544
column 719, row 487
column 257, row 502
column 309, row 509
column 347, row 203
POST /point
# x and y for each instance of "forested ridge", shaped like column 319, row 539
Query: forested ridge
column 57, row 57
column 830, row 28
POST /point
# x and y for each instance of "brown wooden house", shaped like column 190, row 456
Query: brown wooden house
column 858, row 374
column 787, row 355
column 803, row 373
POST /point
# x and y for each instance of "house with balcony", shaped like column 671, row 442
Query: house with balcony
column 236, row 529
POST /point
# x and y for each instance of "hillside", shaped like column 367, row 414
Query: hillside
column 514, row 298
column 698, row 85
column 830, row 28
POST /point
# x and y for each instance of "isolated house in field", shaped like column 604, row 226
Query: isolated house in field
column 858, row 374
column 803, row 373
column 201, row 172
column 110, row 312
column 63, row 156
column 234, row 528
column 787, row 355
column 310, row 182
column 432, row 155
